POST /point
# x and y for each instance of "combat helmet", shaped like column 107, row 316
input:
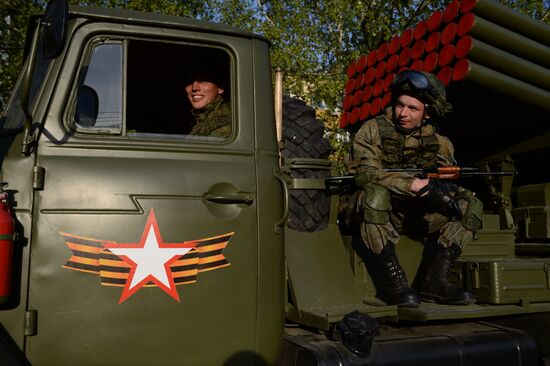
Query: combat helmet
column 424, row 86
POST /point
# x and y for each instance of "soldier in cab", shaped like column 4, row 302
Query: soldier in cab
column 204, row 88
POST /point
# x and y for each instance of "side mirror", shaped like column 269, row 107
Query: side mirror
column 87, row 107
column 55, row 27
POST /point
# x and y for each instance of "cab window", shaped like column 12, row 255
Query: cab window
column 155, row 90
column 99, row 98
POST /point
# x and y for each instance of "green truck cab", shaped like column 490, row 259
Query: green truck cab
column 137, row 243
column 91, row 176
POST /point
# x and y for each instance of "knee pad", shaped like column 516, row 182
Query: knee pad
column 473, row 215
column 376, row 204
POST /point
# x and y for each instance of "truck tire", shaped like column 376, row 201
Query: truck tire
column 303, row 137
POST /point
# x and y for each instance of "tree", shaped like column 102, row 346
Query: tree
column 14, row 17
column 313, row 41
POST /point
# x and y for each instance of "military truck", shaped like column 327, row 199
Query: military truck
column 125, row 240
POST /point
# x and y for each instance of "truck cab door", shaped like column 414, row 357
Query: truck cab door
column 145, row 237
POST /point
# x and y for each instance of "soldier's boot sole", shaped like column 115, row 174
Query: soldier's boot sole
column 434, row 298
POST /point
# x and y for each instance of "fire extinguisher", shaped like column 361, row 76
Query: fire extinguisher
column 7, row 233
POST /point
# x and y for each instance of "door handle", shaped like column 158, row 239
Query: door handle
column 286, row 197
column 230, row 199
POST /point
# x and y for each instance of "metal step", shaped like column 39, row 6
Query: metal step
column 431, row 311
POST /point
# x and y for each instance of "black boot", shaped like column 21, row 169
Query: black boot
column 431, row 280
column 399, row 292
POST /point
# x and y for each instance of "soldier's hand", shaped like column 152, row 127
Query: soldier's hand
column 438, row 196
column 417, row 184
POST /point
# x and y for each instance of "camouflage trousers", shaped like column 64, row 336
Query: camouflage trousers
column 405, row 218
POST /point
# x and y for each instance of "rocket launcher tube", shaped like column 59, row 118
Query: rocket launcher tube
column 509, row 18
column 504, row 39
column 490, row 79
column 448, row 34
column 430, row 62
column 446, row 55
column 502, row 61
column 433, row 41
column 406, row 38
column 445, row 74
column 451, row 12
column 434, row 21
column 382, row 52
column 394, row 45
column 420, row 30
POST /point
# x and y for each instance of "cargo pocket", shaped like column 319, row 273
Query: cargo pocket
column 474, row 212
column 376, row 204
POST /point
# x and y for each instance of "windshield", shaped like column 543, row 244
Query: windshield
column 14, row 116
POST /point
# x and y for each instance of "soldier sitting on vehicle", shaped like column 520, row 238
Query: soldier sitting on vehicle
column 211, row 114
column 396, row 202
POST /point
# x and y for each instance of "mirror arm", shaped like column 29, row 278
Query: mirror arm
column 26, row 89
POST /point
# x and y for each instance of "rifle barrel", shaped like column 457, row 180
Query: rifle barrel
column 505, row 173
column 465, row 171
column 404, row 170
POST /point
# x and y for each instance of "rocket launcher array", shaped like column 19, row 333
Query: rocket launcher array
column 477, row 42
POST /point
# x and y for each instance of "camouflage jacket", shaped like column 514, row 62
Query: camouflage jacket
column 368, row 155
column 213, row 120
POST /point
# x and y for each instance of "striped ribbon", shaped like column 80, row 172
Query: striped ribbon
column 91, row 256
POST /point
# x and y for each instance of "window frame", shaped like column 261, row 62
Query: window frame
column 85, row 61
column 125, row 40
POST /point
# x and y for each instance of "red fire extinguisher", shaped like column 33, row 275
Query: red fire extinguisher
column 7, row 232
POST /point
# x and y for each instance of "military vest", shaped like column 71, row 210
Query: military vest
column 397, row 155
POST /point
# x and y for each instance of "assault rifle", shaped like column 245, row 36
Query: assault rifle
column 339, row 184
column 450, row 172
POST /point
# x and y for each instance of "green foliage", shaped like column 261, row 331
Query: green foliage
column 14, row 17
column 535, row 9
column 313, row 41
column 339, row 139
column 312, row 45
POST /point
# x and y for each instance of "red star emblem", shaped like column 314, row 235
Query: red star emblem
column 150, row 260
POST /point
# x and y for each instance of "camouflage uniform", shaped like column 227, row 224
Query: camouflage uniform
column 387, row 203
column 213, row 120
column 389, row 207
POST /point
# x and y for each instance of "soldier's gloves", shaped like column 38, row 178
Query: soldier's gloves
column 438, row 195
